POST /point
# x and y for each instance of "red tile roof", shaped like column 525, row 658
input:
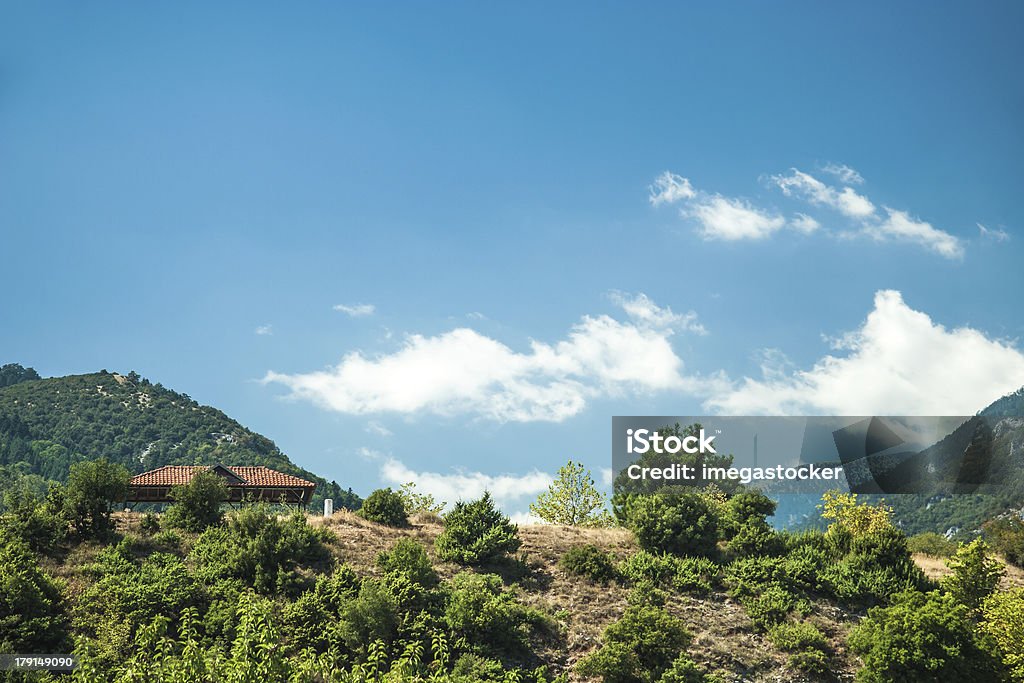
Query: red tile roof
column 174, row 475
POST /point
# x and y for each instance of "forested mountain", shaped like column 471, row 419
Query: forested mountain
column 48, row 424
column 1002, row 424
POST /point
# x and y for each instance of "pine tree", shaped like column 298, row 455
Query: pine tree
column 572, row 499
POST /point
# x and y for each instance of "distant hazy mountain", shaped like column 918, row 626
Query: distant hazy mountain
column 47, row 424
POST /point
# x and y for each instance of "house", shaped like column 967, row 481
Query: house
column 244, row 482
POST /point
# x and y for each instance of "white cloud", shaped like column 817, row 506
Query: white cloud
column 846, row 175
column 643, row 310
column 898, row 225
column 606, row 476
column 732, row 219
column 899, row 362
column 264, row 330
column 466, row 485
column 669, row 188
column 994, row 234
column 804, row 185
column 804, row 223
column 465, row 372
column 377, row 429
column 356, row 310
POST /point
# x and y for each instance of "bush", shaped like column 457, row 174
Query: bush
column 921, row 637
column 149, row 524
column 384, row 506
column 974, row 575
column 476, row 532
column 589, row 561
column 755, row 537
column 1007, row 539
column 749, row 576
column 409, row 558
column 678, row 523
column 695, row 575
column 197, row 504
column 1004, row 622
column 683, row 670
column 641, row 646
column 770, row 607
column 931, row 544
column 32, row 615
column 806, row 643
column 491, row 618
column 259, row 549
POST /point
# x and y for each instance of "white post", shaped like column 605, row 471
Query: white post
column 328, row 507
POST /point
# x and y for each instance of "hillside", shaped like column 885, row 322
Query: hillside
column 48, row 424
column 1003, row 425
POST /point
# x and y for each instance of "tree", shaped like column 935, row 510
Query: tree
column 476, row 532
column 975, row 574
column 678, row 523
column 384, row 506
column 1004, row 622
column 197, row 504
column 922, row 637
column 572, row 499
column 92, row 488
column 31, row 605
column 419, row 502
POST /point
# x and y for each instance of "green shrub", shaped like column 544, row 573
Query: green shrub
column 790, row 637
column 149, row 524
column 384, row 506
column 259, row 549
column 476, row 532
column 803, row 566
column 678, row 523
column 1007, row 539
column 129, row 594
column 744, row 508
column 683, row 670
column 409, row 558
column 488, row 616
column 877, row 566
column 974, row 575
column 641, row 646
column 1003, row 622
column 197, row 504
column 589, row 561
column 32, row 615
column 931, row 544
column 750, row 575
column 755, row 537
column 658, row 568
column 770, row 607
column 922, row 637
column 695, row 575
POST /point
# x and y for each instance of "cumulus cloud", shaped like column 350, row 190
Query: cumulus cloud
column 806, row 186
column 899, row 362
column 804, row 223
column 645, row 311
column 844, row 173
column 669, row 188
column 994, row 234
column 465, row 372
column 898, row 225
column 356, row 310
column 467, row 485
column 729, row 219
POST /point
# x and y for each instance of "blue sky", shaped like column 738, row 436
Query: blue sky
column 836, row 228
